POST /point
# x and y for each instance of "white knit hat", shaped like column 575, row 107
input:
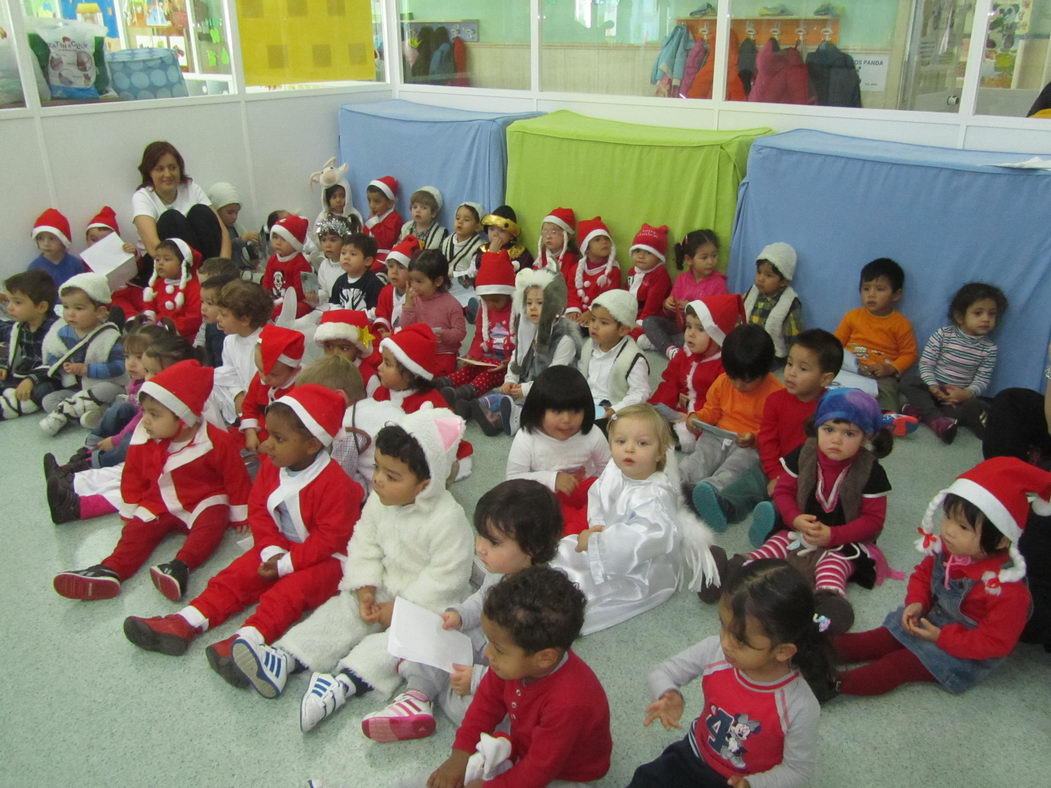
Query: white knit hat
column 781, row 256
column 621, row 304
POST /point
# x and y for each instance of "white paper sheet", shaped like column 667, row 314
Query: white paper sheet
column 1034, row 163
column 107, row 257
column 416, row 634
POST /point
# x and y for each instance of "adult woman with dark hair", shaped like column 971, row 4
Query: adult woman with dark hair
column 168, row 204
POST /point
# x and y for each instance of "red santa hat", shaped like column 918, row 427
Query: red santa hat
column 404, row 250
column 1003, row 489
column 349, row 324
column 588, row 230
column 652, row 239
column 105, row 219
column 496, row 274
column 183, row 388
column 566, row 221
column 388, row 184
column 52, row 221
column 319, row 408
column 415, row 347
column 174, row 298
column 293, row 229
column 719, row 314
column 280, row 345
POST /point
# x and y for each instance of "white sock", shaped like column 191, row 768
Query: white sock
column 194, row 618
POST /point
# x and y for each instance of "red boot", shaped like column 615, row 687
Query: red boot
column 223, row 663
column 169, row 635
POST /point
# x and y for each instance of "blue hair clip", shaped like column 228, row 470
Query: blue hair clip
column 822, row 622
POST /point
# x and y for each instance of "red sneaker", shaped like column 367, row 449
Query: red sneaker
column 169, row 635
column 222, row 662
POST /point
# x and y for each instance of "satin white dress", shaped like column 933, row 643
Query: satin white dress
column 633, row 564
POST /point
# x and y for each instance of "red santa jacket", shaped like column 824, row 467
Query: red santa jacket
column 501, row 342
column 187, row 318
column 385, row 230
column 592, row 288
column 566, row 267
column 282, row 274
column 414, row 401
column 257, row 399
column 208, row 471
column 322, row 504
column 685, row 381
column 384, row 315
column 650, row 289
column 367, row 367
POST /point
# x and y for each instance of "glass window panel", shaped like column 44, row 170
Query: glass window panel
column 10, row 83
column 467, row 43
column 1016, row 68
column 877, row 54
column 310, row 43
column 628, row 47
column 112, row 50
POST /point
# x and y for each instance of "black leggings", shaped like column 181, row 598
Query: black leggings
column 1016, row 425
column 677, row 767
column 199, row 228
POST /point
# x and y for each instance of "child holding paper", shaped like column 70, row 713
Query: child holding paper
column 518, row 524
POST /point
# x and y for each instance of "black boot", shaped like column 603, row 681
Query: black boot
column 61, row 500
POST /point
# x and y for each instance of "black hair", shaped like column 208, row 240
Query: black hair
column 523, row 510
column 693, row 241
column 781, row 601
column 330, row 190
column 396, row 442
column 539, row 607
column 370, row 189
column 273, row 218
column 748, row 352
column 962, row 509
column 973, row 292
column 170, row 349
column 824, row 345
column 36, row 285
column 291, row 418
column 364, row 243
column 884, row 266
column 472, row 209
column 558, row 388
column 880, row 444
column 140, row 332
column 172, row 247
column 432, row 264
column 219, row 281
column 759, row 263
column 218, row 266
column 416, row 382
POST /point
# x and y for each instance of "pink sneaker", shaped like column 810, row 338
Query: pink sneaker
column 408, row 716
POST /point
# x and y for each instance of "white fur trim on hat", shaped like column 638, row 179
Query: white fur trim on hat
column 45, row 228
column 647, row 248
column 312, row 425
column 95, row 285
column 382, row 187
column 389, row 344
column 327, row 332
column 281, row 230
column 170, row 401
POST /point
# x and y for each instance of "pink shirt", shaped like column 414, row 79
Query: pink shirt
column 686, row 288
column 440, row 311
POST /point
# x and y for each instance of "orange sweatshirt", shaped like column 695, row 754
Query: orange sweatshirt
column 730, row 409
column 876, row 339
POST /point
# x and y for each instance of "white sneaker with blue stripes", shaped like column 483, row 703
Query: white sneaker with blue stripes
column 323, row 698
column 265, row 667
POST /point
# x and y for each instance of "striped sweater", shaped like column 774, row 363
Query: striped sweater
column 958, row 359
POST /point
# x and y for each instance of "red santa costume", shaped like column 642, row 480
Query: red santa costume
column 564, row 261
column 178, row 300
column 387, row 315
column 592, row 277
column 197, row 486
column 653, row 286
column 276, row 345
column 493, row 342
column 352, row 325
column 128, row 298
column 386, row 227
column 306, row 517
column 283, row 272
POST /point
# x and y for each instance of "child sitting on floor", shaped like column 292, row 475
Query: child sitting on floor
column 493, row 342
column 648, row 279
column 635, row 552
column 345, row 333
column 559, row 714
column 210, row 337
column 391, row 301
column 502, row 232
column 597, row 272
column 129, row 297
column 278, row 357
column 957, row 364
column 699, row 251
column 461, row 248
column 831, row 502
column 406, row 372
column 330, row 235
column 517, row 525
column 182, row 474
column 302, row 510
column 173, row 291
column 337, row 204
column 51, row 234
column 967, row 600
column 384, row 222
column 357, row 287
column 771, row 302
column 616, row 370
column 82, row 355
column 428, row 301
column 761, row 680
column 31, row 297
column 556, row 445
column 244, row 308
column 878, row 336
column 424, row 205
column 412, row 541
column 555, row 250
column 287, row 265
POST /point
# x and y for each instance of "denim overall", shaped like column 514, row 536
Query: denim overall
column 953, row 673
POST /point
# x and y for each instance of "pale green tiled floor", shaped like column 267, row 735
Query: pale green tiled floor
column 82, row 704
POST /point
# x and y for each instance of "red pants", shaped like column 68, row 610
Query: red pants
column 575, row 507
column 890, row 663
column 138, row 540
column 444, row 364
column 482, row 378
column 281, row 601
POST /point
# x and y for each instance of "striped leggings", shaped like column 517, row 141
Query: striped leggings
column 831, row 572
